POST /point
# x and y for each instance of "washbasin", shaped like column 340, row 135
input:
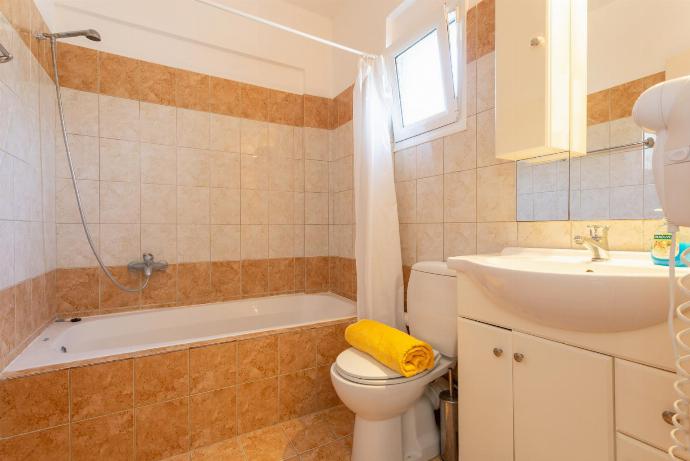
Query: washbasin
column 565, row 289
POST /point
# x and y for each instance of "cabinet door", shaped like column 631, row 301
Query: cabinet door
column 485, row 392
column 633, row 450
column 563, row 402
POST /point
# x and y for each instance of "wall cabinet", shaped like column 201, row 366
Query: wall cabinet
column 524, row 398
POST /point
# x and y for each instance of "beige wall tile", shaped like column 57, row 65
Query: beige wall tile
column 494, row 237
column 193, row 167
column 430, row 199
column 282, row 175
column 225, row 170
column 254, row 243
column 158, row 124
column 316, row 144
column 459, row 239
column 316, row 240
column 281, row 208
column 408, row 243
column 546, row 234
column 486, row 150
column 460, row 149
column 496, row 197
column 193, row 129
column 472, row 88
column 193, row 243
column 343, row 208
column 254, row 172
column 281, row 241
column 429, row 242
column 316, row 208
column 120, row 243
column 158, row 204
column 118, row 118
column 193, row 205
column 66, row 210
column 119, row 160
column 315, row 176
column 225, row 206
column 281, row 140
column 254, row 209
column 225, row 243
column 119, row 202
column 460, row 196
column 81, row 112
column 160, row 240
column 224, row 133
column 85, row 157
column 430, row 159
column 72, row 248
column 486, row 82
column 158, row 164
column 254, row 138
column 406, row 164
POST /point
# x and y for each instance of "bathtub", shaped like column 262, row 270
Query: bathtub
column 109, row 335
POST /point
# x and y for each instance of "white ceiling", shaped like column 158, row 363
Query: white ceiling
column 326, row 8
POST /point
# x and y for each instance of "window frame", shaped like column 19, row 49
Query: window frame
column 453, row 119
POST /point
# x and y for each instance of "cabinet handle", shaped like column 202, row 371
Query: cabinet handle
column 668, row 416
column 518, row 357
column 498, row 351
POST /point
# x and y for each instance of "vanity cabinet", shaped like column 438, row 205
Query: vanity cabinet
column 525, row 398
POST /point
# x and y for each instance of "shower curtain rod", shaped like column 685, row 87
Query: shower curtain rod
column 258, row 19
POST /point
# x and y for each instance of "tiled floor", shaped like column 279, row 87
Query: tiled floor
column 325, row 436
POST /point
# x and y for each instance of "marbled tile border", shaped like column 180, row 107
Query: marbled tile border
column 87, row 291
column 617, row 102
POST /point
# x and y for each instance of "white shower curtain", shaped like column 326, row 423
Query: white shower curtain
column 377, row 242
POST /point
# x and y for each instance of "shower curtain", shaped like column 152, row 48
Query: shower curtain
column 380, row 294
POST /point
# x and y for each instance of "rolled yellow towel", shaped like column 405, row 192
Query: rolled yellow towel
column 393, row 348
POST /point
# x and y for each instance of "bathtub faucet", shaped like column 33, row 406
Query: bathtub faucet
column 148, row 266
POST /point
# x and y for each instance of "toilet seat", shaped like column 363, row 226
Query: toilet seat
column 359, row 367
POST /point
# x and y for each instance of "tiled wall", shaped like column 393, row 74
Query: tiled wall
column 614, row 184
column 456, row 198
column 234, row 185
column 27, row 217
column 265, row 398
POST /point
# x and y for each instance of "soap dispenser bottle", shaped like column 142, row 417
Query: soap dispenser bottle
column 661, row 247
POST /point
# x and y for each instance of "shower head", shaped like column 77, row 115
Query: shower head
column 91, row 34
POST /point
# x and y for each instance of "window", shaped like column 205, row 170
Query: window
column 427, row 67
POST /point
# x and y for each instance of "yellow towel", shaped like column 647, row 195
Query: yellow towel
column 393, row 348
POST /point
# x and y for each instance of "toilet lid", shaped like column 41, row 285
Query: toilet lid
column 360, row 366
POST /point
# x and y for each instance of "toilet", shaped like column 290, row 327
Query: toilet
column 394, row 420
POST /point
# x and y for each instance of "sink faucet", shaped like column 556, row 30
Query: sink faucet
column 597, row 242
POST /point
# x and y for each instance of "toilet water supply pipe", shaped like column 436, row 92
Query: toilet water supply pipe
column 680, row 434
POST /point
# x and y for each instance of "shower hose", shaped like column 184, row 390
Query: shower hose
column 111, row 277
column 680, row 434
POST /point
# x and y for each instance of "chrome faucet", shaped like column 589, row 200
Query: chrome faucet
column 597, row 242
column 148, row 266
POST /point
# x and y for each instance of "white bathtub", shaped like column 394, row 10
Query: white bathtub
column 115, row 334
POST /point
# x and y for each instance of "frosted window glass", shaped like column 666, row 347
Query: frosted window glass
column 420, row 81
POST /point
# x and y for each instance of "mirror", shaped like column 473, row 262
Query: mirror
column 632, row 45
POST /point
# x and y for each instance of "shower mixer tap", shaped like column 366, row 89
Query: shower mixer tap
column 148, row 266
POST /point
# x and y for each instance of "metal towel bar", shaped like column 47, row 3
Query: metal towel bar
column 648, row 143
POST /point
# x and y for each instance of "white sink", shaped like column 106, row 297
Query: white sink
column 565, row 289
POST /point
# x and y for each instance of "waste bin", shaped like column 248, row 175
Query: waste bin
column 449, row 426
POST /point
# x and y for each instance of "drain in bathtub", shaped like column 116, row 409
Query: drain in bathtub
column 63, row 349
